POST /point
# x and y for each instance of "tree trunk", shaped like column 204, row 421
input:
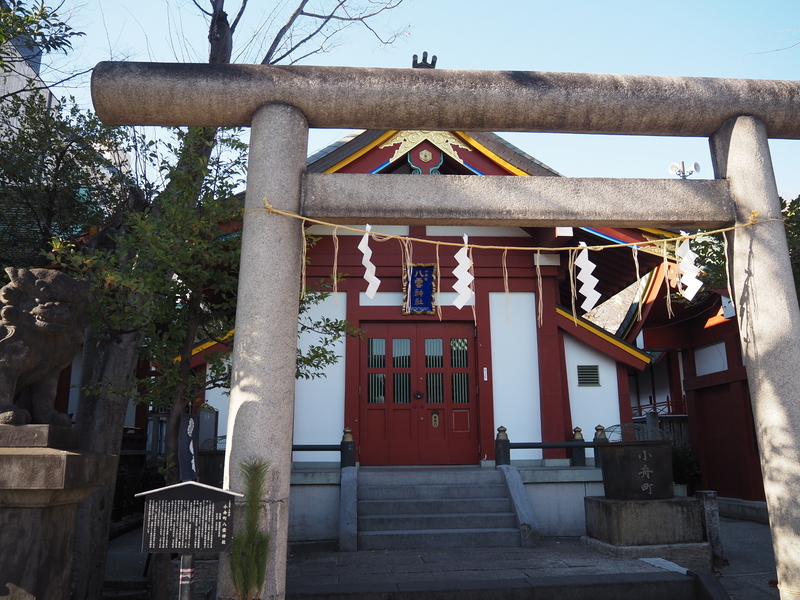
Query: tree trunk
column 100, row 419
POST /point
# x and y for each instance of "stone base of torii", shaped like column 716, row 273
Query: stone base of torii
column 280, row 103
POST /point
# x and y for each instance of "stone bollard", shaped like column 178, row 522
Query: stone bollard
column 599, row 438
column 651, row 419
column 348, row 449
column 578, row 454
column 502, row 448
column 710, row 514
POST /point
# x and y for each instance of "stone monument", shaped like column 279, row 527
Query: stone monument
column 42, row 320
column 42, row 475
column 639, row 516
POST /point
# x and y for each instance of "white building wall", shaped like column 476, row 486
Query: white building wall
column 711, row 359
column 591, row 405
column 661, row 376
column 130, row 414
column 652, row 384
column 313, row 510
column 559, row 506
column 319, row 403
column 514, row 372
column 218, row 399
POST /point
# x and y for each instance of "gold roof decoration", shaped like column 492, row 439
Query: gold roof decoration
column 444, row 140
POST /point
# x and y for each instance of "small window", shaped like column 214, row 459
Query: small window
column 588, row 375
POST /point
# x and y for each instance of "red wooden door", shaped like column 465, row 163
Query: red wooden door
column 417, row 394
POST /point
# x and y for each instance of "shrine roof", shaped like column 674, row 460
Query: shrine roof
column 349, row 145
column 339, row 150
column 603, row 340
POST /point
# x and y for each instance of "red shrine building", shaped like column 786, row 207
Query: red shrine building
column 429, row 383
column 699, row 373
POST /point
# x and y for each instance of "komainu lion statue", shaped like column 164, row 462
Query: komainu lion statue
column 42, row 320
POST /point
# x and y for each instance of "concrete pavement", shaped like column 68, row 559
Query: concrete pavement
column 557, row 567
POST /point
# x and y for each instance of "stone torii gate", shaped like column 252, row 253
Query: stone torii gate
column 279, row 103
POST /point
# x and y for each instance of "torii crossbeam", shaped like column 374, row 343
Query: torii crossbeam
column 279, row 103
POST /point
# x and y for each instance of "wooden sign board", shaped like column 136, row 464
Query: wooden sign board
column 187, row 518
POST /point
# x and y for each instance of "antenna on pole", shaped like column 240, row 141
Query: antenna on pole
column 681, row 171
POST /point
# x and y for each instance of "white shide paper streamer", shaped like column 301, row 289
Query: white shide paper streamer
column 589, row 281
column 369, row 268
column 689, row 271
column 463, row 277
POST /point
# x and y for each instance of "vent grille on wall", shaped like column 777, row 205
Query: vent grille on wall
column 588, row 375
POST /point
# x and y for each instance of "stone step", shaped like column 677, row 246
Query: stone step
column 434, row 508
column 125, row 594
column 431, row 492
column 407, row 477
column 505, row 520
column 439, row 538
column 664, row 585
column 452, row 506
column 126, row 585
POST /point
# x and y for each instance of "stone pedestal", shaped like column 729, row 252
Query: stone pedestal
column 671, row 529
column 41, row 483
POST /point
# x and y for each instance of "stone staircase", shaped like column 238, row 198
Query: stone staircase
column 434, row 508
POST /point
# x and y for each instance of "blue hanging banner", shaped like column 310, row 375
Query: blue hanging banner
column 419, row 289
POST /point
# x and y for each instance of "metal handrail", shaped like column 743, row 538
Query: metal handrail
column 503, row 447
column 346, row 449
column 535, row 445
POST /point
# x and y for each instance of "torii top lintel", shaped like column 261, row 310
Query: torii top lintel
column 181, row 94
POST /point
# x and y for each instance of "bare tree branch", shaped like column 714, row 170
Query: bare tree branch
column 310, row 53
column 238, row 16
column 282, row 33
column 359, row 17
column 304, row 26
column 307, row 38
column 200, row 8
column 41, row 86
column 386, row 42
column 789, row 47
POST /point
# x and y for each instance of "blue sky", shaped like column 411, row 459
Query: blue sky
column 706, row 38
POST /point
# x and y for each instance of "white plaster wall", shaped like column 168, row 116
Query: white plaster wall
column 711, row 359
column 473, row 231
column 661, row 376
column 514, row 372
column 130, row 414
column 558, row 507
column 218, row 398
column 657, row 374
column 319, row 403
column 380, row 229
column 591, row 405
column 313, row 512
column 643, row 391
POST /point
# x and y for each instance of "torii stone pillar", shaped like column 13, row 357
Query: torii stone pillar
column 260, row 421
column 769, row 328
